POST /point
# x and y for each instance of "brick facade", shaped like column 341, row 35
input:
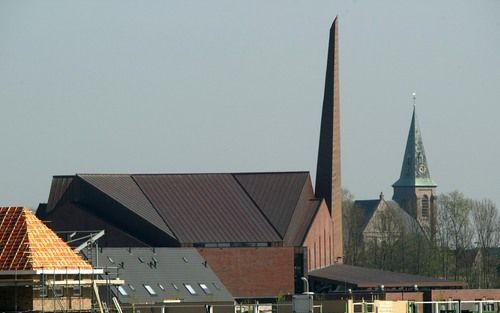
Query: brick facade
column 253, row 272
column 465, row 294
column 320, row 240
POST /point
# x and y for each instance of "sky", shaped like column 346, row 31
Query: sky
column 236, row 86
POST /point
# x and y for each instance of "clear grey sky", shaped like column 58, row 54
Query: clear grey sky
column 223, row 86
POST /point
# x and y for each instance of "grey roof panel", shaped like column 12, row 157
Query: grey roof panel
column 206, row 208
column 173, row 265
column 124, row 189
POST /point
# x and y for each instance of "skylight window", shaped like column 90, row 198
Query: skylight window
column 122, row 291
column 150, row 290
column 161, row 286
column 140, row 259
column 131, row 287
column 175, row 286
column 110, row 260
column 205, row 289
column 216, row 286
column 185, row 259
column 190, row 289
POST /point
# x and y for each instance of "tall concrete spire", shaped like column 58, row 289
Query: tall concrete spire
column 328, row 184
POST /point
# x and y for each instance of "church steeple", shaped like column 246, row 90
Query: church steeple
column 415, row 191
column 414, row 171
column 328, row 184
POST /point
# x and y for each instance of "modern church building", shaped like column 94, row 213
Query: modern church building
column 261, row 233
column 272, row 225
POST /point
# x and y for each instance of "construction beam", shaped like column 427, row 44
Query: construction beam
column 75, row 282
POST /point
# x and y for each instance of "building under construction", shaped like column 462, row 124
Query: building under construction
column 39, row 272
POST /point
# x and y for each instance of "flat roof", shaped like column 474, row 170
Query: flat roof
column 363, row 277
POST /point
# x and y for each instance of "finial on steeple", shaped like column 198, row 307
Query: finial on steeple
column 414, row 97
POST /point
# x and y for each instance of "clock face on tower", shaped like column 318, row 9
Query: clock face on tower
column 422, row 169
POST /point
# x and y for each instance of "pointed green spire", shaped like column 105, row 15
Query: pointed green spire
column 414, row 171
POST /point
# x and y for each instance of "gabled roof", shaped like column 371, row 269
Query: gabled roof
column 206, row 208
column 125, row 190
column 369, row 207
column 200, row 208
column 402, row 216
column 363, row 277
column 58, row 187
column 414, row 171
column 275, row 195
column 28, row 244
column 139, row 267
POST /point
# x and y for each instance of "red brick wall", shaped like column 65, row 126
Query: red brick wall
column 319, row 240
column 410, row 296
column 465, row 294
column 253, row 272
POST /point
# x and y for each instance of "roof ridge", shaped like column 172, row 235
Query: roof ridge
column 316, row 209
column 185, row 173
column 114, row 198
column 256, row 205
column 33, row 225
column 154, row 207
column 296, row 204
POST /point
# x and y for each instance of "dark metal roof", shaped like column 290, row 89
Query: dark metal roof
column 303, row 215
column 301, row 221
column 57, row 189
column 368, row 207
column 363, row 277
column 200, row 208
column 165, row 266
column 124, row 189
column 275, row 194
column 206, row 208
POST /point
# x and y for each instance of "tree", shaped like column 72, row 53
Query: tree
column 455, row 231
column 487, row 235
column 352, row 227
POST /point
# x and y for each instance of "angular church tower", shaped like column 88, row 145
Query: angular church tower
column 328, row 185
column 415, row 191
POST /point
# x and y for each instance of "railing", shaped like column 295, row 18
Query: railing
column 455, row 306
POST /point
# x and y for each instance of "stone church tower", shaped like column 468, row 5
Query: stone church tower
column 415, row 191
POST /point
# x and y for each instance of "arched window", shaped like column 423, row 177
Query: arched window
column 425, row 206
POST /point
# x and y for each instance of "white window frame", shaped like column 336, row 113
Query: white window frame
column 190, row 288
column 205, row 288
column 150, row 290
column 122, row 291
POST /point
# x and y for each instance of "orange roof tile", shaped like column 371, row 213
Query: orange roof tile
column 28, row 244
